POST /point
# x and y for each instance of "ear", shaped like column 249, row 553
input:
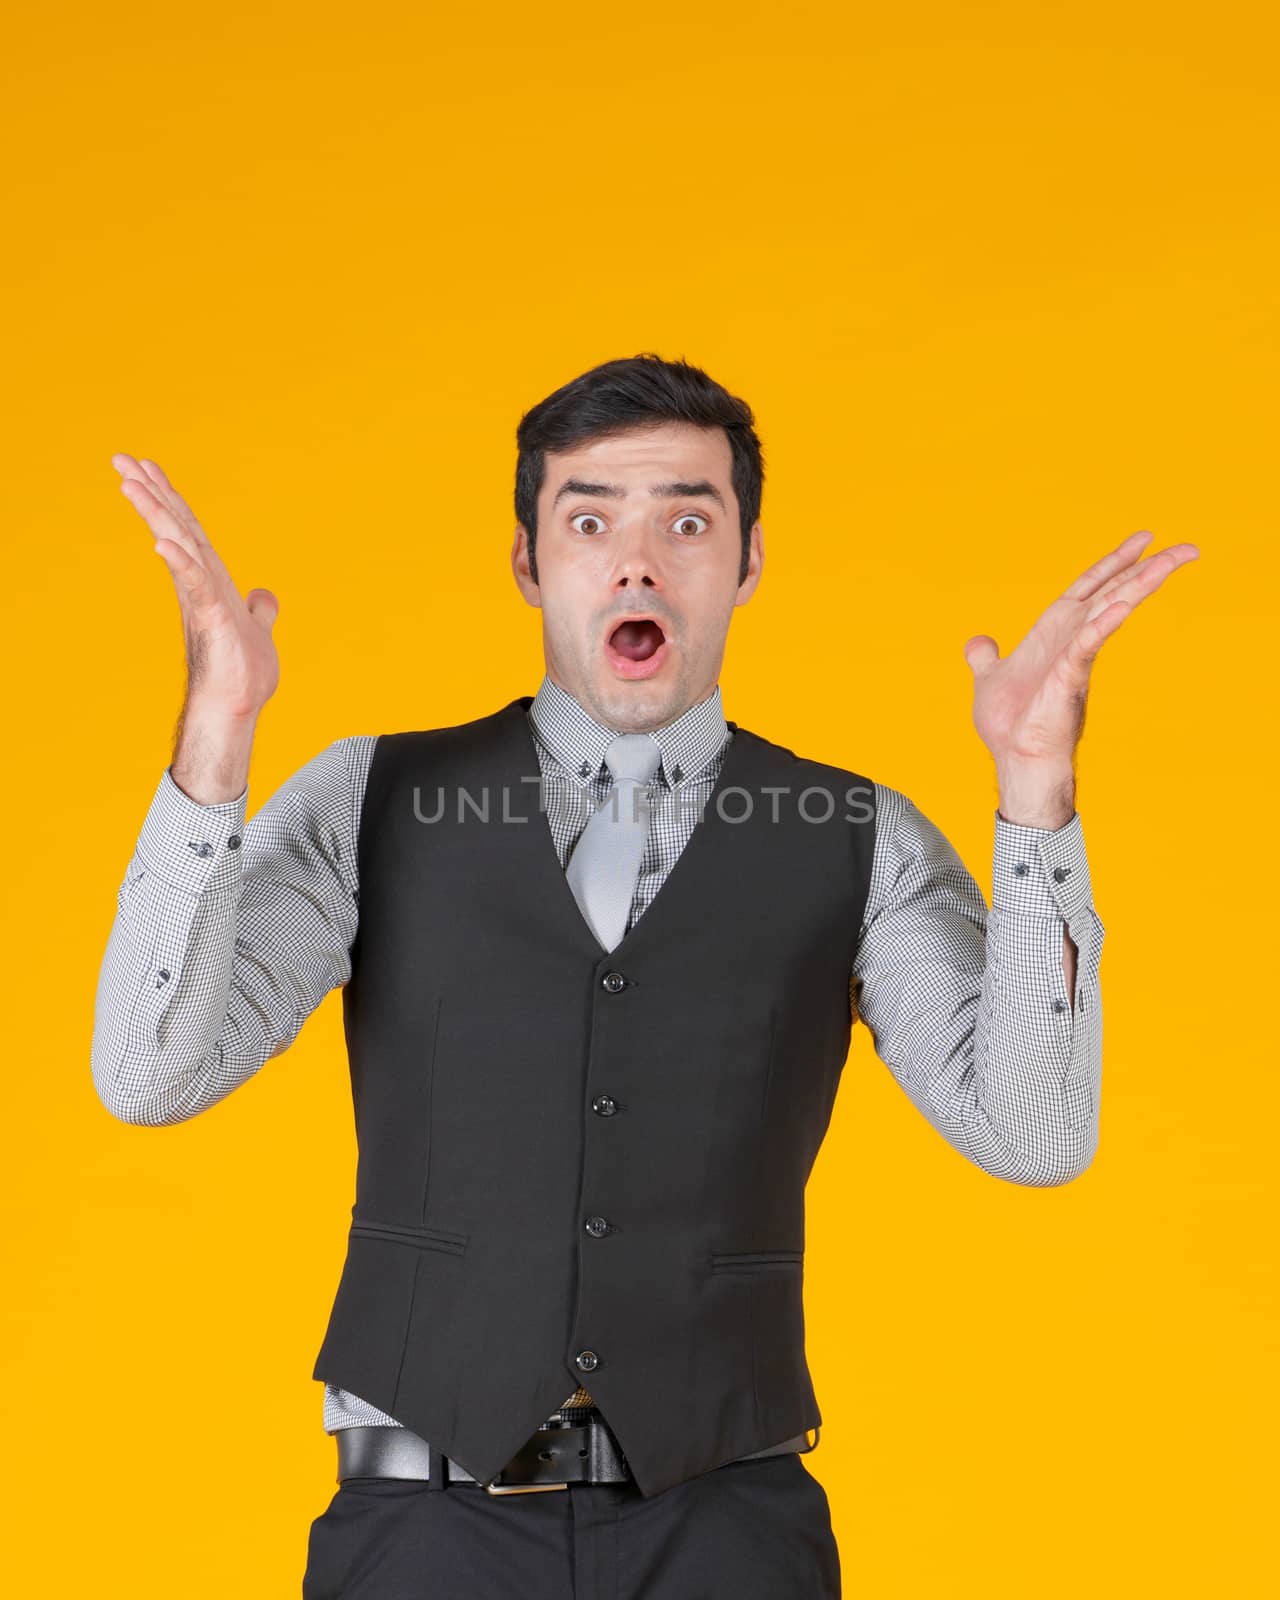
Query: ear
column 520, row 566
column 755, row 565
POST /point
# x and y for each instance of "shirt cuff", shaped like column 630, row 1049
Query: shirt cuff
column 1042, row 872
column 192, row 846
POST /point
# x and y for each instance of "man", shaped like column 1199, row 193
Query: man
column 601, row 953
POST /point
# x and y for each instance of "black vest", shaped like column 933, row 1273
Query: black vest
column 580, row 1167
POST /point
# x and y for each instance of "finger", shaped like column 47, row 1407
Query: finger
column 1117, row 560
column 151, row 476
column 195, row 592
column 153, row 469
column 263, row 607
column 126, row 466
column 158, row 517
column 1088, row 639
column 164, row 489
column 158, row 482
column 1146, row 577
column 133, row 470
column 151, row 502
column 982, row 653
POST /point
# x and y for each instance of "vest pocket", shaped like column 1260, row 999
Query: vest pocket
column 421, row 1237
column 755, row 1260
column 363, row 1346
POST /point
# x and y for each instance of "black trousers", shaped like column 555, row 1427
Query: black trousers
column 752, row 1530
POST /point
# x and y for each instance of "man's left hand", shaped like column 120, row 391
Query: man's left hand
column 1029, row 707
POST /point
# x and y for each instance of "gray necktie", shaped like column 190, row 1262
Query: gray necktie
column 605, row 863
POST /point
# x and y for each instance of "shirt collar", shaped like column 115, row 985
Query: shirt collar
column 578, row 742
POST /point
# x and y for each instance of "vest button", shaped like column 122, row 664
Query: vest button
column 597, row 1227
column 613, row 981
column 604, row 1105
column 586, row 1360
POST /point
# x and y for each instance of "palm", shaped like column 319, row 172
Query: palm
column 232, row 657
column 1030, row 705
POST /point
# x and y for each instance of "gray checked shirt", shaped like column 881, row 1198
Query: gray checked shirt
column 228, row 935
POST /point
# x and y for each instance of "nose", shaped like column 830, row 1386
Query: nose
column 636, row 564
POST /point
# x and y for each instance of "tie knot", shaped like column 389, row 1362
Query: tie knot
column 633, row 757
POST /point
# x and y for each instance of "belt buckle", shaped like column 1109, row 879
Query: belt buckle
column 494, row 1487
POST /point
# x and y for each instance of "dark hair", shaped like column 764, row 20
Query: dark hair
column 636, row 392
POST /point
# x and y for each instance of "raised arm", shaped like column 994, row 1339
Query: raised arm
column 969, row 1009
column 226, row 936
column 977, row 1016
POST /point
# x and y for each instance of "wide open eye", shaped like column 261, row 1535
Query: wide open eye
column 681, row 524
column 587, row 516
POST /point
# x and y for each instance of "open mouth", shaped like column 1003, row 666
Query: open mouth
column 636, row 646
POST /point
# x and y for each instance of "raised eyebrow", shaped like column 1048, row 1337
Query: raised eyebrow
column 701, row 487
column 613, row 491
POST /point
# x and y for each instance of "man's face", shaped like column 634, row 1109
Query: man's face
column 641, row 525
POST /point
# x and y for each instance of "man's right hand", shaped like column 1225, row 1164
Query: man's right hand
column 232, row 665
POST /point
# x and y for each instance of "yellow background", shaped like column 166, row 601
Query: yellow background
column 999, row 282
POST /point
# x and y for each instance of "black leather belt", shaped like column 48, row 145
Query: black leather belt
column 557, row 1455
